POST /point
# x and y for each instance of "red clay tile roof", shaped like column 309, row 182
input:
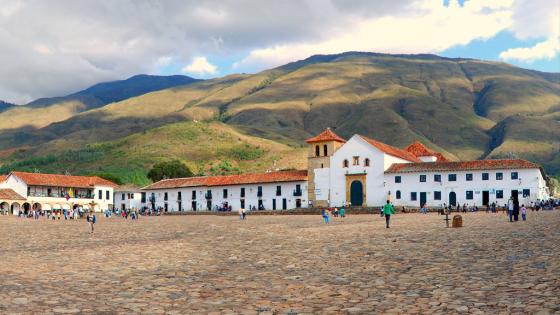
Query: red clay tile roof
column 3, row 177
column 209, row 181
column 396, row 152
column 9, row 194
column 460, row 166
column 418, row 149
column 177, row 182
column 327, row 135
column 38, row 179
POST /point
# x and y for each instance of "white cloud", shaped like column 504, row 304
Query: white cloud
column 431, row 28
column 543, row 50
column 52, row 48
column 200, row 65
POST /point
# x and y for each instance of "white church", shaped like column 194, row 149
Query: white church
column 365, row 172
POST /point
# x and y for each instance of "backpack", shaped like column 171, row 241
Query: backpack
column 93, row 219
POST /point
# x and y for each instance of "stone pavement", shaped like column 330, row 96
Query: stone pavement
column 281, row 265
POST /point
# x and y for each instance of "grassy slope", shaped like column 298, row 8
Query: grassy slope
column 202, row 146
column 466, row 107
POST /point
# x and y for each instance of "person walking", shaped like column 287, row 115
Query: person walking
column 510, row 209
column 523, row 213
column 243, row 213
column 91, row 220
column 342, row 212
column 240, row 213
column 388, row 210
column 325, row 214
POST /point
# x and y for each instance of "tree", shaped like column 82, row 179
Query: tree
column 169, row 169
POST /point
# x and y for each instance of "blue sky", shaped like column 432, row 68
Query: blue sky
column 56, row 48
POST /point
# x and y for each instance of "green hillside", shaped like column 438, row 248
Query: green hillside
column 468, row 109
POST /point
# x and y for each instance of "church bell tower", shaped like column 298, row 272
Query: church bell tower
column 321, row 148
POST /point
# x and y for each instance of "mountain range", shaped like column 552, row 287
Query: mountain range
column 464, row 108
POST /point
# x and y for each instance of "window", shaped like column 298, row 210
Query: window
column 413, row 196
column 317, row 151
column 356, row 160
column 526, row 193
column 499, row 194
column 514, row 175
column 485, row 176
column 397, row 179
column 366, row 162
column 278, row 190
column 100, row 194
column 165, row 196
column 325, row 151
column 437, row 195
column 179, row 197
column 499, row 176
column 122, row 196
column 259, row 191
column 242, row 194
column 452, row 177
column 107, row 195
column 469, row 195
column 345, row 163
column 242, row 202
column 143, row 197
column 437, row 178
column 193, row 195
column 398, row 194
column 468, row 177
column 224, row 193
column 422, row 178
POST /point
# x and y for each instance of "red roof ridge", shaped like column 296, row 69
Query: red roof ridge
column 62, row 180
column 487, row 164
column 234, row 179
column 327, row 135
column 391, row 150
column 418, row 149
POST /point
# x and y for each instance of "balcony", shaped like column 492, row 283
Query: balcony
column 259, row 193
column 152, row 199
column 298, row 193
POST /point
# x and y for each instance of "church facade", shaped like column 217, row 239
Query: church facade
column 365, row 172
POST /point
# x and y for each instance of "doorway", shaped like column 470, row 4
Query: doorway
column 298, row 203
column 356, row 193
column 423, row 199
column 273, row 204
column 193, row 205
column 485, row 197
column 284, row 204
column 452, row 199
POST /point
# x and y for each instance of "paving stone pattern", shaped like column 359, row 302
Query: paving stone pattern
column 282, row 265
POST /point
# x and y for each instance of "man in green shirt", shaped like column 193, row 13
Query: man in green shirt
column 388, row 211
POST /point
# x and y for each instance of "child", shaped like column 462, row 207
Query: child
column 91, row 220
column 523, row 212
column 326, row 215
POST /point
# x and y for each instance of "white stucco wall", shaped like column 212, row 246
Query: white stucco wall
column 410, row 182
column 233, row 196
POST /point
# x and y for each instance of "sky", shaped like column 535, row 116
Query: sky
column 56, row 47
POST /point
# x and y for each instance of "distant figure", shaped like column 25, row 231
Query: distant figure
column 325, row 214
column 424, row 209
column 464, row 208
column 388, row 211
column 510, row 209
column 523, row 213
column 342, row 212
column 240, row 213
column 493, row 207
column 243, row 213
column 91, row 220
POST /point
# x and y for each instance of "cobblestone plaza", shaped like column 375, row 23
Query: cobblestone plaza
column 281, row 265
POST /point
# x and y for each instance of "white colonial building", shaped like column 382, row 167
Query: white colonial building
column 264, row 191
column 365, row 172
column 22, row 191
column 127, row 198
